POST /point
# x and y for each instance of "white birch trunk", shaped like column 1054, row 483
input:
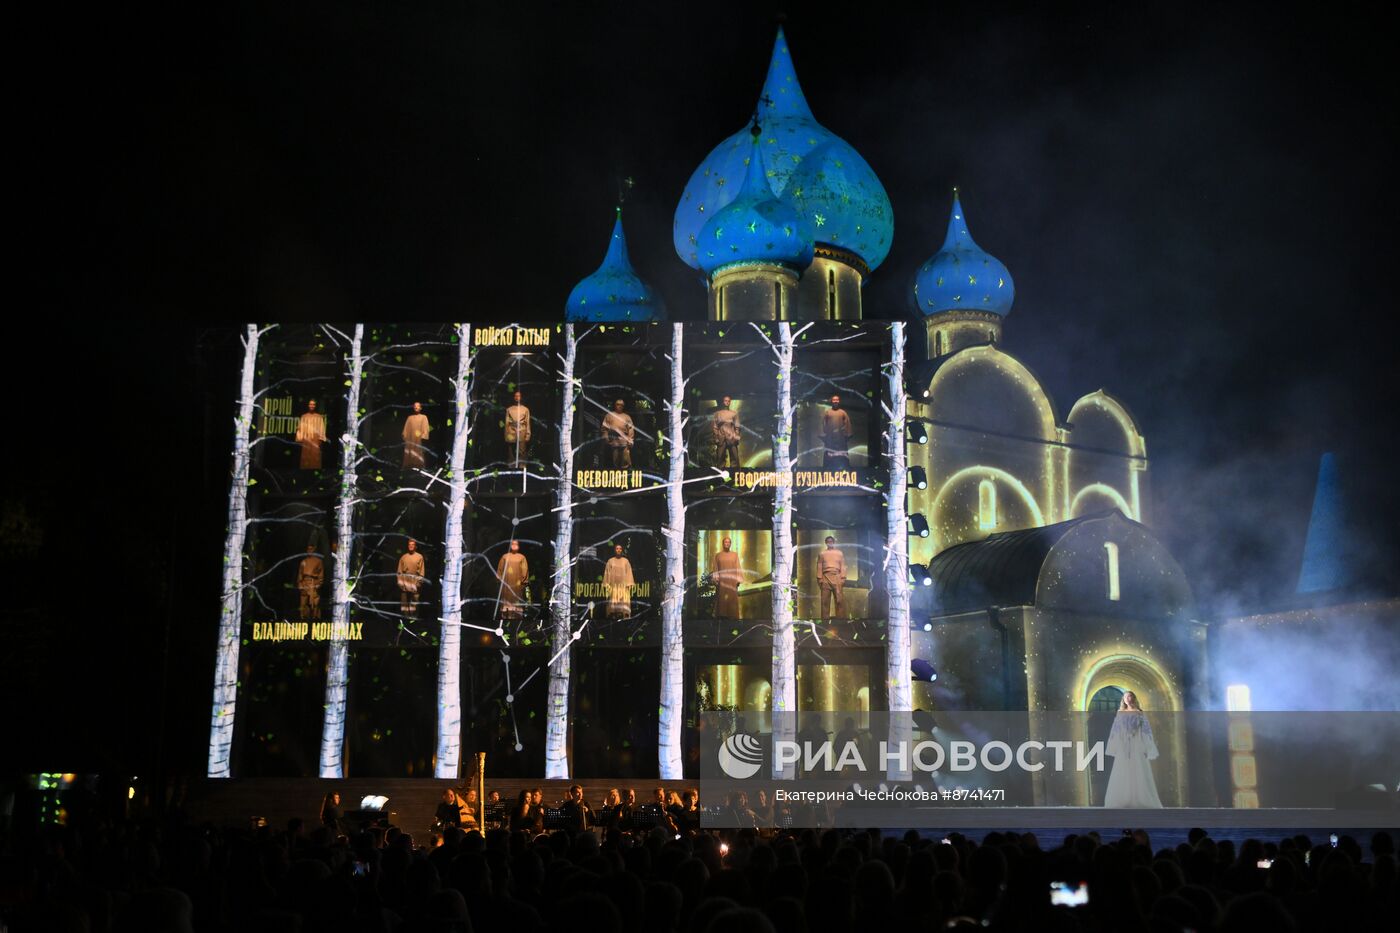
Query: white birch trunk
column 449, row 739
column 784, row 648
column 897, row 671
column 338, row 662
column 556, row 740
column 231, row 608
column 668, row 739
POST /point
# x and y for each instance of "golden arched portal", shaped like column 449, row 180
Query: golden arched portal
column 1157, row 695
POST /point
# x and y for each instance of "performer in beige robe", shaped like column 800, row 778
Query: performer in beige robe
column 726, row 573
column 411, row 577
column 831, row 579
column 311, row 573
column 415, row 432
column 513, row 571
column 617, row 576
column 311, row 434
column 517, row 432
column 724, row 427
column 619, row 434
column 836, row 434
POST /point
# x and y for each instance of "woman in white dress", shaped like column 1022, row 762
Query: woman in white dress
column 1132, row 749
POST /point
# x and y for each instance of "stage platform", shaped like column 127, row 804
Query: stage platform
column 412, row 801
column 1101, row 819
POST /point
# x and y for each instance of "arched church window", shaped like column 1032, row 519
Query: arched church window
column 938, row 343
column 1106, row 700
column 719, row 304
column 831, row 294
column 1111, row 554
column 986, row 505
column 779, row 312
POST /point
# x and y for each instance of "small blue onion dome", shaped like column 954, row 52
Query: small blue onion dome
column 755, row 228
column 808, row 166
column 615, row 292
column 962, row 276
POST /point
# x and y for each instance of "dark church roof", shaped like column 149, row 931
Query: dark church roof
column 1000, row 570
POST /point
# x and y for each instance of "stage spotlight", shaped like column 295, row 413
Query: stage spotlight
column 918, row 478
column 923, row 720
column 923, row 670
column 928, row 626
column 918, row 575
column 916, row 431
column 919, row 524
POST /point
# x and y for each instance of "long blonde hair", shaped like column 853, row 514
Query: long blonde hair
column 1124, row 706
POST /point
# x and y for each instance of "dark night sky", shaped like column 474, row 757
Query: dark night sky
column 1196, row 203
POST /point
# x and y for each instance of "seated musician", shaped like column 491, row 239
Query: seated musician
column 470, row 807
column 449, row 811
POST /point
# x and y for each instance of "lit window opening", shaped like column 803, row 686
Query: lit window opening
column 1111, row 550
column 986, row 505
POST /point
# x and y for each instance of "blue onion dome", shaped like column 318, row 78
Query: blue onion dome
column 615, row 292
column 755, row 228
column 962, row 276
column 807, row 165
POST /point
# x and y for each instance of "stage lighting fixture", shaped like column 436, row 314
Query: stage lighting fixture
column 919, row 524
column 916, row 431
column 923, row 670
column 924, row 720
column 928, row 626
column 918, row 478
column 918, row 575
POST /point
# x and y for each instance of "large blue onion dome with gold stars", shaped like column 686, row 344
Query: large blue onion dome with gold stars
column 615, row 292
column 807, row 165
column 755, row 228
column 962, row 276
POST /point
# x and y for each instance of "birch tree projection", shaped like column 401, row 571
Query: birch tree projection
column 231, row 602
column 449, row 731
column 562, row 636
column 672, row 708
column 338, row 660
column 897, row 671
column 568, row 491
column 784, row 511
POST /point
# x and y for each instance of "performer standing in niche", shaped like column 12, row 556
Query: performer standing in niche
column 517, row 430
column 513, row 570
column 724, row 427
column 619, row 434
column 311, row 573
column 411, row 577
column 415, row 432
column 726, row 574
column 1130, row 745
column 831, row 579
column 311, row 434
column 617, row 576
column 836, row 434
